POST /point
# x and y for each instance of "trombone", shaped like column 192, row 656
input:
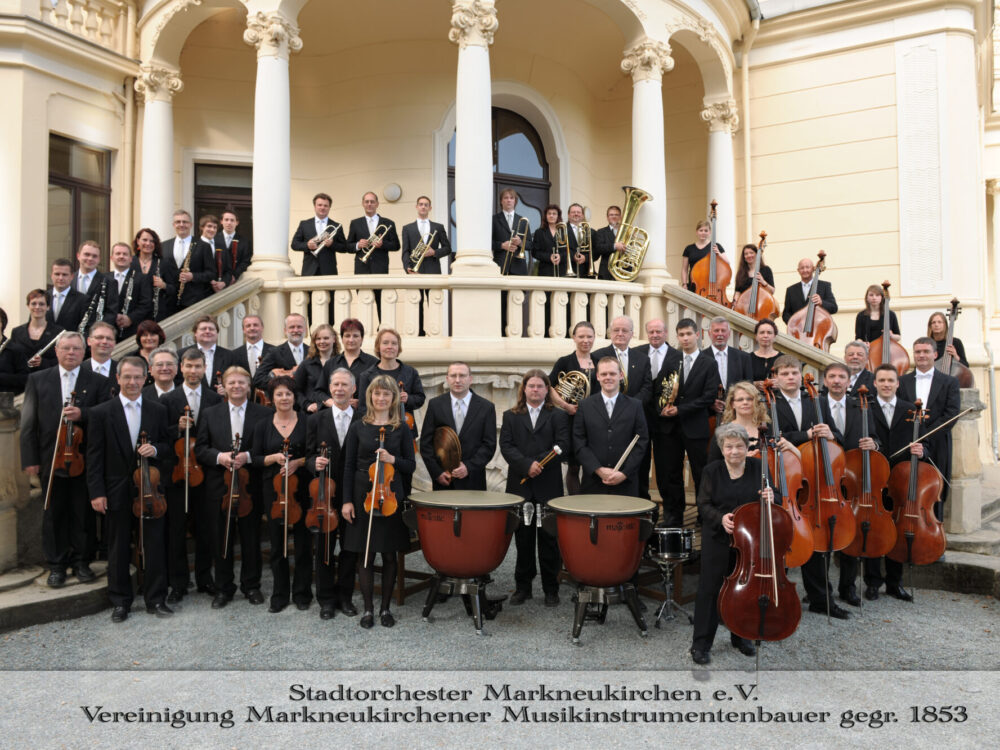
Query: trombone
column 523, row 237
column 562, row 247
column 377, row 236
column 418, row 253
column 584, row 246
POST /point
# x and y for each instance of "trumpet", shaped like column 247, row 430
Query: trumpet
column 325, row 236
column 585, row 246
column 669, row 389
column 625, row 265
column 521, row 235
column 562, row 247
column 573, row 386
column 418, row 253
column 377, row 236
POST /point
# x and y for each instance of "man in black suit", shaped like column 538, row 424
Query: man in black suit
column 733, row 365
column 112, row 450
column 284, row 358
column 510, row 251
column 222, row 268
column 890, row 413
column 684, row 423
column 238, row 248
column 194, row 395
column 661, row 355
column 940, row 395
column 421, row 230
column 473, row 418
column 68, row 540
column 856, row 357
column 797, row 295
column 604, row 243
column 530, row 430
column 634, row 361
column 330, row 426
column 101, row 342
column 360, row 243
column 200, row 259
column 254, row 349
column 66, row 305
column 604, row 425
column 99, row 288
column 580, row 262
column 135, row 291
column 218, row 359
column 214, row 449
column 321, row 259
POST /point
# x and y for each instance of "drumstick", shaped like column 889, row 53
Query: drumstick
column 625, row 454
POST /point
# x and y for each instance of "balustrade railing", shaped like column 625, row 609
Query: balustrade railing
column 108, row 23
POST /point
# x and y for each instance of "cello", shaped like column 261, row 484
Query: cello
column 68, row 448
column 149, row 502
column 885, row 351
column 813, row 324
column 187, row 469
column 380, row 499
column 238, row 494
column 757, row 601
column 285, row 506
column 948, row 364
column 711, row 274
column 866, row 476
column 756, row 302
column 786, row 468
column 321, row 518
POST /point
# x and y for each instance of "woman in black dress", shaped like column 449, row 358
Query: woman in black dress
column 744, row 274
column 543, row 245
column 36, row 334
column 13, row 368
column 937, row 329
column 388, row 346
column 725, row 485
column 762, row 358
column 148, row 254
column 388, row 534
column 313, row 387
column 696, row 251
column 577, row 361
column 352, row 334
column 868, row 324
column 268, row 440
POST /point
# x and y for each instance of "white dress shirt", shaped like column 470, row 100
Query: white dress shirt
column 460, row 415
column 722, row 360
column 839, row 417
column 67, row 379
column 805, row 289
column 181, row 245
column 209, row 360
column 609, row 403
column 923, row 384
column 194, row 400
column 888, row 409
column 656, row 356
column 796, row 404
column 101, row 368
column 85, row 280
column 133, row 415
column 342, row 421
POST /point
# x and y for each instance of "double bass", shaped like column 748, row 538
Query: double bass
column 813, row 324
column 885, row 351
column 149, row 502
column 711, row 274
column 948, row 364
column 285, row 507
column 756, row 302
column 321, row 518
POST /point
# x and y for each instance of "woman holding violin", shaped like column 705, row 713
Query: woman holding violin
column 312, row 386
column 352, row 334
column 36, row 334
column 762, row 358
column 868, row 323
column 937, row 329
column 579, row 361
column 725, row 485
column 378, row 455
column 745, row 407
column 696, row 251
column 279, row 450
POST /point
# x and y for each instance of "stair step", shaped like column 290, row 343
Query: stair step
column 984, row 541
column 990, row 511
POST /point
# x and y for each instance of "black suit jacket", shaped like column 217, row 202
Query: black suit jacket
column 521, row 445
column 640, row 380
column 71, row 312
column 324, row 261
column 739, row 366
column 543, row 246
column 603, row 242
column 221, row 361
column 238, row 257
column 943, row 403
column 501, row 234
column 441, row 247
column 321, row 429
column 695, row 394
column 892, row 437
column 175, row 402
column 136, row 303
column 866, row 379
column 379, row 260
column 88, row 364
column 795, row 301
column 103, row 284
column 853, row 422
column 215, row 437
column 111, row 458
column 22, row 343
column 796, row 433
column 277, row 357
column 478, row 439
column 599, row 441
column 203, row 268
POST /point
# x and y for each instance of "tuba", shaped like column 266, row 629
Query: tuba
column 625, row 265
column 573, row 386
column 418, row 253
column 380, row 232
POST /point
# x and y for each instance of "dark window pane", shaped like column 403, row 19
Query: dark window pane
column 517, row 155
column 60, row 229
column 221, row 175
column 80, row 162
column 95, row 221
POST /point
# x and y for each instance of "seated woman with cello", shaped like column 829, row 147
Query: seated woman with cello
column 762, row 358
column 279, row 449
column 868, row 323
column 745, row 274
column 377, row 456
column 937, row 329
column 745, row 407
column 725, row 485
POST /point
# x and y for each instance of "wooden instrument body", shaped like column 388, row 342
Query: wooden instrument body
column 914, row 488
column 321, row 516
column 764, row 306
column 885, row 351
column 381, row 495
column 788, row 484
column 875, row 532
column 948, row 364
column 241, row 492
column 149, row 501
column 184, row 447
column 281, row 499
column 711, row 275
column 69, row 443
column 813, row 324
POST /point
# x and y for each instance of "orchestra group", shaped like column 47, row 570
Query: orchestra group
column 214, row 443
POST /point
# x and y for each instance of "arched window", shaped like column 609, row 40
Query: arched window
column 518, row 162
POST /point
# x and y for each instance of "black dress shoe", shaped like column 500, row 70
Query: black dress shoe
column 552, row 599
column 520, row 597
column 84, row 574
column 744, row 646
column 57, row 579
column 255, row 597
column 348, row 609
column 871, row 593
column 175, row 597
column 327, row 612
column 367, row 620
column 835, row 611
column 850, row 597
column 119, row 614
column 700, row 657
column 207, row 588
column 221, row 600
column 386, row 618
column 898, row 592
column 302, row 606
column 160, row 610
column 275, row 607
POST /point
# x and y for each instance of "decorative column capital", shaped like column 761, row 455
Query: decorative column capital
column 993, row 187
column 721, row 116
column 647, row 61
column 272, row 34
column 157, row 83
column 473, row 23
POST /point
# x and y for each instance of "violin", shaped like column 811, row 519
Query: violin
column 813, row 324
column 68, row 448
column 757, row 601
column 238, row 494
column 786, row 468
column 914, row 490
column 711, row 274
column 286, row 507
column 756, row 302
column 187, row 469
column 380, row 500
column 866, row 477
column 948, row 364
column 828, row 513
column 885, row 351
column 149, row 502
column 321, row 517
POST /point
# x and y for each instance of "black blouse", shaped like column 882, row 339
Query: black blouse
column 870, row 330
column 312, row 386
column 27, row 346
column 13, row 368
column 362, row 362
column 570, row 363
column 267, row 440
column 957, row 343
column 762, row 366
column 693, row 253
column 718, row 495
column 765, row 271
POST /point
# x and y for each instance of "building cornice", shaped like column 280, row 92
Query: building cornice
column 24, row 32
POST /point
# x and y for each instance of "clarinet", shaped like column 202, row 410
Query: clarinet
column 96, row 305
column 185, row 267
column 156, row 290
column 128, row 298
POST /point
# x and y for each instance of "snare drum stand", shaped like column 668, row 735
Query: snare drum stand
column 666, row 610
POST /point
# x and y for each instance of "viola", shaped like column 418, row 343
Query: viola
column 380, row 500
column 813, row 324
column 321, row 517
column 238, row 494
column 948, row 364
column 711, row 274
column 285, row 507
column 885, row 351
column 865, row 481
column 68, row 448
column 786, row 468
column 828, row 513
column 914, row 490
column 187, row 469
column 757, row 601
column 149, row 502
column 756, row 302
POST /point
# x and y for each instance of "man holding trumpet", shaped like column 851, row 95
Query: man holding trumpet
column 425, row 244
column 371, row 238
column 319, row 239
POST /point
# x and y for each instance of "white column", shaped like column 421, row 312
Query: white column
column 157, row 85
column 722, row 122
column 473, row 23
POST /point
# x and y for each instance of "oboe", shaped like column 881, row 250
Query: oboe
column 186, row 266
column 96, row 305
column 128, row 298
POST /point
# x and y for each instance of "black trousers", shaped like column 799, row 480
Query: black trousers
column 152, row 535
column 717, row 560
column 248, row 530
column 548, row 559
column 300, row 548
column 177, row 526
column 669, row 455
column 68, row 532
column 873, row 572
column 848, row 572
column 813, row 579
